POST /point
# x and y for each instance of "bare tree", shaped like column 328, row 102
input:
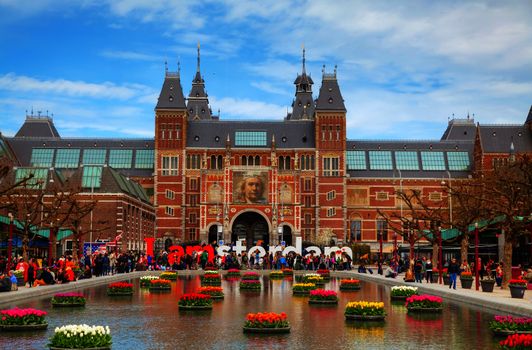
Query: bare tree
column 508, row 197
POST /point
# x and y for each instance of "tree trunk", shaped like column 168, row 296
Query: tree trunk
column 25, row 247
column 434, row 258
column 464, row 247
column 507, row 260
column 75, row 257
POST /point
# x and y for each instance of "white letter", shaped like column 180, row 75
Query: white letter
column 223, row 249
column 316, row 250
column 261, row 250
column 298, row 249
column 239, row 248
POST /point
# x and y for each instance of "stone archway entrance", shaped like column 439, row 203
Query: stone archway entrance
column 252, row 227
column 286, row 235
column 214, row 236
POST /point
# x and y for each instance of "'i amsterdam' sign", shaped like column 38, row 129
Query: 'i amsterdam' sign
column 176, row 251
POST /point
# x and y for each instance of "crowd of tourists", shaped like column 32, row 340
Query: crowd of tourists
column 64, row 269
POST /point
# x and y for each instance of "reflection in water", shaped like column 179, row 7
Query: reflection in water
column 152, row 321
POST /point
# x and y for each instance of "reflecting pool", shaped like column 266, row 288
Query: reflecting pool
column 152, row 321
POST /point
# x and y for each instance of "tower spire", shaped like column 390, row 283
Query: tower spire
column 304, row 70
column 198, row 67
column 178, row 69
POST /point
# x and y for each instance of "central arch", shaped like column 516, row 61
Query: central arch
column 252, row 227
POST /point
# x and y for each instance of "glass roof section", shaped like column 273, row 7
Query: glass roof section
column 356, row 160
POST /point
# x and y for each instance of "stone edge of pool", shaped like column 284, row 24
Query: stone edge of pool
column 491, row 301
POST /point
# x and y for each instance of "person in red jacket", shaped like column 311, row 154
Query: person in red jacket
column 23, row 266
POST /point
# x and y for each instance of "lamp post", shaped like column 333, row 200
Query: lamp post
column 477, row 282
column 395, row 247
column 10, row 243
column 380, row 248
column 411, row 240
column 50, row 244
column 440, row 256
column 450, row 196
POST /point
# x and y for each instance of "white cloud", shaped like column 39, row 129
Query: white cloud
column 130, row 55
column 20, row 83
column 247, row 109
column 270, row 88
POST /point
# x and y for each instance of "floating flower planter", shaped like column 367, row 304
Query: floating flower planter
column 288, row 272
column 276, row 274
column 214, row 292
column 350, row 284
column 249, row 276
column 365, row 311
column 506, row 325
column 170, row 276
column 211, row 278
column 303, row 288
column 145, row 280
column 233, row 273
column 22, row 320
column 325, row 273
column 120, row 289
column 402, row 292
column 313, row 278
column 160, row 285
column 323, row 297
column 268, row 322
column 517, row 341
column 424, row 303
column 81, row 337
column 195, row 301
column 68, row 300
column 250, row 285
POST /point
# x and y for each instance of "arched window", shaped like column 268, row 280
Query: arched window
column 287, row 163
column 303, row 162
column 250, row 160
column 213, row 162
column 244, row 160
column 355, row 229
column 280, row 162
column 257, row 160
column 220, row 162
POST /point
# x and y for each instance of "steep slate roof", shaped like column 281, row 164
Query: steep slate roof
column 303, row 103
column 171, row 96
column 498, row 138
column 409, row 145
column 330, row 97
column 529, row 118
column 213, row 134
column 22, row 147
column 460, row 129
column 113, row 181
column 198, row 101
column 37, row 127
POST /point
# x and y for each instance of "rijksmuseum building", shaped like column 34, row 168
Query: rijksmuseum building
column 267, row 181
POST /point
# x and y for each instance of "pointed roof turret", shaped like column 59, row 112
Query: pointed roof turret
column 330, row 97
column 198, row 102
column 303, row 103
column 529, row 118
column 171, row 96
column 38, row 126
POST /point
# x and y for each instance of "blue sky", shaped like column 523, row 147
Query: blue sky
column 404, row 67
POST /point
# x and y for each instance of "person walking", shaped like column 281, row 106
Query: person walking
column 428, row 271
column 418, row 268
column 453, row 270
